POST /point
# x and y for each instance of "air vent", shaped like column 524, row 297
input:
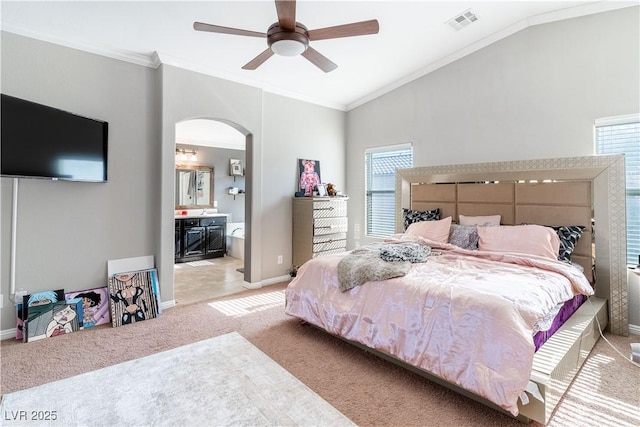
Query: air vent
column 462, row 20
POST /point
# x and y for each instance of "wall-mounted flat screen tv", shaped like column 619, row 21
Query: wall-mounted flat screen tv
column 38, row 141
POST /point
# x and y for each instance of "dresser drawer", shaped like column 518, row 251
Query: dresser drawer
column 330, row 245
column 323, row 238
column 331, row 252
column 216, row 220
column 329, row 226
column 191, row 222
column 329, row 208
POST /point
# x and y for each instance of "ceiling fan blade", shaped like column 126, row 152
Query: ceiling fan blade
column 346, row 30
column 286, row 14
column 200, row 26
column 319, row 60
column 258, row 60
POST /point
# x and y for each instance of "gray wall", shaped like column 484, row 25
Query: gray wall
column 190, row 95
column 281, row 129
column 67, row 231
column 532, row 95
column 294, row 130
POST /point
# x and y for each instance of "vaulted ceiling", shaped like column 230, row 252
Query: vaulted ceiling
column 415, row 37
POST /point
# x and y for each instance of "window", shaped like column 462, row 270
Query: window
column 380, row 169
column 622, row 135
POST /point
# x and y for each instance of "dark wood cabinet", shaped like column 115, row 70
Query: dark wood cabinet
column 178, row 239
column 193, row 241
column 200, row 238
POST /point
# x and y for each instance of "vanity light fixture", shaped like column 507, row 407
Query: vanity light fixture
column 181, row 154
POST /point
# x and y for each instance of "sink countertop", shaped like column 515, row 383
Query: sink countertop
column 201, row 215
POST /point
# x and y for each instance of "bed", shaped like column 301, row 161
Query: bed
column 454, row 318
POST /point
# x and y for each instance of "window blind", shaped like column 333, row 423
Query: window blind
column 380, row 170
column 623, row 137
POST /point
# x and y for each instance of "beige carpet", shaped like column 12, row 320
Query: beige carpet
column 223, row 380
column 366, row 389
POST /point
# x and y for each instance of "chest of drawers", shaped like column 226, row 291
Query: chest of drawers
column 320, row 227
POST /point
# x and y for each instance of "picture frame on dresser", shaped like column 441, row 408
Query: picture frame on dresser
column 322, row 190
column 309, row 176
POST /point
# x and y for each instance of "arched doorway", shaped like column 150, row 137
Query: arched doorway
column 222, row 147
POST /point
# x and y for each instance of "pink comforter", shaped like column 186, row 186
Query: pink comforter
column 465, row 316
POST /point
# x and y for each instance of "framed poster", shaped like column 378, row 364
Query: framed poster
column 309, row 175
column 134, row 296
column 235, row 167
column 95, row 306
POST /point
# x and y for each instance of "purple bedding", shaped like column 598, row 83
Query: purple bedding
column 568, row 308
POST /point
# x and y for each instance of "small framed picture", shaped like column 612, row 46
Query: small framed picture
column 235, row 168
column 322, row 190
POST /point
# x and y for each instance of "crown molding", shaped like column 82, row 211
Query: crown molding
column 155, row 59
column 121, row 55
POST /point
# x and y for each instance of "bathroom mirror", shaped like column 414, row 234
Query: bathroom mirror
column 194, row 187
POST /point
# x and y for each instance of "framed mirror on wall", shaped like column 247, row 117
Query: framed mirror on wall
column 194, row 187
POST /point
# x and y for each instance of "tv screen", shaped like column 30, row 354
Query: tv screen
column 44, row 142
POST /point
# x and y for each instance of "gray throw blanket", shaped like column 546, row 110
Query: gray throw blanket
column 365, row 265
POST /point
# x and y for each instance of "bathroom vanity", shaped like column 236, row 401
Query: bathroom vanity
column 200, row 237
column 200, row 232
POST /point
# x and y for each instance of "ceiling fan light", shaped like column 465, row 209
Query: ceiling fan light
column 288, row 47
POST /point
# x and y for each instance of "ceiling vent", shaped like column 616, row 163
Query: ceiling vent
column 462, row 20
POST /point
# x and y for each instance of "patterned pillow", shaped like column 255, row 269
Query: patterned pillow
column 464, row 236
column 411, row 216
column 569, row 235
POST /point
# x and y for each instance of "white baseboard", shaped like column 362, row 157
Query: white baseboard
column 266, row 282
column 6, row 334
column 167, row 304
column 275, row 280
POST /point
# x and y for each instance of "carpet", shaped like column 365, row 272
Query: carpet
column 365, row 388
column 223, row 380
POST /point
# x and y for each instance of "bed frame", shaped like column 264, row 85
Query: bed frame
column 547, row 203
column 569, row 191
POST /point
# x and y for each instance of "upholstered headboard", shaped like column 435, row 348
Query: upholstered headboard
column 546, row 203
column 565, row 191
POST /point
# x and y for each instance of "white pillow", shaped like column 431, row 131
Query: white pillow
column 480, row 220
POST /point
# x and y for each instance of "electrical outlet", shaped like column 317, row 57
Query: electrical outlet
column 280, row 261
column 17, row 297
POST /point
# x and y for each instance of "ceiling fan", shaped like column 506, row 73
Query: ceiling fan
column 290, row 38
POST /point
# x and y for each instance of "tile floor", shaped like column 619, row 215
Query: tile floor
column 206, row 279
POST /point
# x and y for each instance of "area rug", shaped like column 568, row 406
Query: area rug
column 220, row 381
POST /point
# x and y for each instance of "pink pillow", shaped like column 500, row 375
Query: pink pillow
column 479, row 220
column 432, row 230
column 526, row 239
